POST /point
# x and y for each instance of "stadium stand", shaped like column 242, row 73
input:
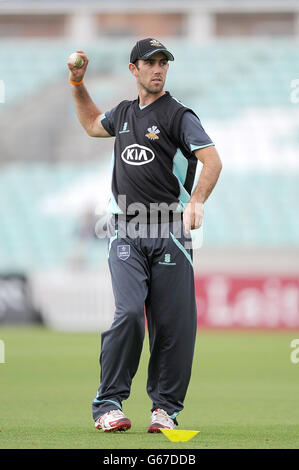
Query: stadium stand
column 239, row 88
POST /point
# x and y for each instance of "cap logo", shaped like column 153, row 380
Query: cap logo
column 155, row 43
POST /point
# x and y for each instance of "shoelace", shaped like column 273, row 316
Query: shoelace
column 116, row 413
column 113, row 413
column 162, row 415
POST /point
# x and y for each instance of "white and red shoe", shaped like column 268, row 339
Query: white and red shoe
column 160, row 419
column 113, row 420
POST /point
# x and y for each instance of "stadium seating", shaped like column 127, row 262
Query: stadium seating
column 241, row 91
column 236, row 72
column 32, row 65
column 32, row 237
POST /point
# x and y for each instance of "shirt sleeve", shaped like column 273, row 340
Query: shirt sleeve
column 107, row 121
column 193, row 135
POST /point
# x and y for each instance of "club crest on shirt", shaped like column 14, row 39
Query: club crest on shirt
column 152, row 133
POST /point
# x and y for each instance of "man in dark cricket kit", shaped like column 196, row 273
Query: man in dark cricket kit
column 158, row 144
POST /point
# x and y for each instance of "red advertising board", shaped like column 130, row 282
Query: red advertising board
column 225, row 301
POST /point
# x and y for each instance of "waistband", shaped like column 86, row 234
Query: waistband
column 151, row 217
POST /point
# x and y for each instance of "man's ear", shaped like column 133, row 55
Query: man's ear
column 133, row 69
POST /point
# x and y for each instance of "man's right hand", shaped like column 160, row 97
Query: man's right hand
column 77, row 73
column 88, row 113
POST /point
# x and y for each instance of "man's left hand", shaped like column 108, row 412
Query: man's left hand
column 193, row 215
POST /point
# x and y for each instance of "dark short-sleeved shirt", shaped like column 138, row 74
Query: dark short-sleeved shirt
column 153, row 159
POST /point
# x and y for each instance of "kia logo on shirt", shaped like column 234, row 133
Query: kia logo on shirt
column 137, row 155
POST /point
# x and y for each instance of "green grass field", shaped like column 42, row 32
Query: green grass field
column 244, row 393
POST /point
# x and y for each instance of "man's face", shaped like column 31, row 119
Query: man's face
column 151, row 73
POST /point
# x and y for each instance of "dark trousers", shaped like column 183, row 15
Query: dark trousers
column 155, row 275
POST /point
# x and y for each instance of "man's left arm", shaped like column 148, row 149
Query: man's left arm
column 193, row 213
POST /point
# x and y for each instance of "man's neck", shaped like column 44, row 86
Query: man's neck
column 146, row 98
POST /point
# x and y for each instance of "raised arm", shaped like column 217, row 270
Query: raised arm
column 211, row 169
column 88, row 113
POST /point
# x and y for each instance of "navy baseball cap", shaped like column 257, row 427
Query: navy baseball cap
column 145, row 48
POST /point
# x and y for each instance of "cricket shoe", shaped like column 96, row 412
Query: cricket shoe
column 113, row 420
column 160, row 419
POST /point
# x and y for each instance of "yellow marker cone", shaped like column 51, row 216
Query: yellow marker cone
column 178, row 436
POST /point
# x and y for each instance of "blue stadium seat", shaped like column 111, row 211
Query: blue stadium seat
column 227, row 78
